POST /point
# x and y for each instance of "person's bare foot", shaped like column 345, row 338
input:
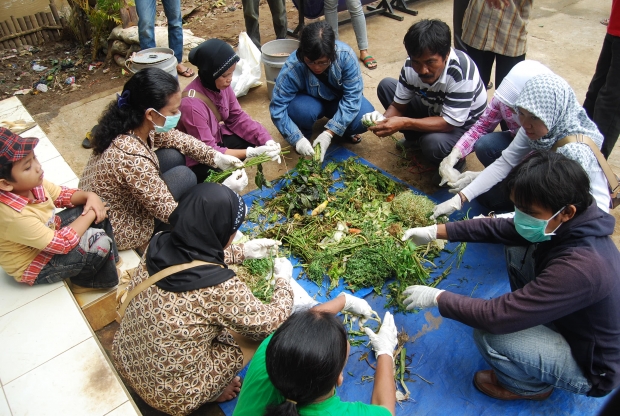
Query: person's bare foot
column 231, row 391
column 185, row 71
column 367, row 59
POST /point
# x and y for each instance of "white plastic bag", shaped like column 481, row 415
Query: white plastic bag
column 248, row 71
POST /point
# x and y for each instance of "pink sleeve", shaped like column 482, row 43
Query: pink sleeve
column 491, row 117
column 240, row 123
column 196, row 121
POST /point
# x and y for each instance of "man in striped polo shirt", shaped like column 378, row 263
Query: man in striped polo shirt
column 438, row 96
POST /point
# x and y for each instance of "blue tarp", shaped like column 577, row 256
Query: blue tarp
column 443, row 350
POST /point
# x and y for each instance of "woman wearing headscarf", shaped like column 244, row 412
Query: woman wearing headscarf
column 481, row 137
column 210, row 110
column 548, row 111
column 322, row 79
column 180, row 341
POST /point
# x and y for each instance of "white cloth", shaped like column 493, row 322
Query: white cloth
column 512, row 85
column 513, row 155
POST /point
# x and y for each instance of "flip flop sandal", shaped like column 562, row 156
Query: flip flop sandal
column 369, row 60
column 605, row 22
column 187, row 73
column 356, row 138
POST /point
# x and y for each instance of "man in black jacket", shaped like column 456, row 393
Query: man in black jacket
column 560, row 325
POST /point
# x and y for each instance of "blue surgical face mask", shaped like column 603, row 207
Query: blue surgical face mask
column 533, row 229
column 170, row 123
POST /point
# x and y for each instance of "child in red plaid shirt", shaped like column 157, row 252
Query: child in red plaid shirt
column 38, row 246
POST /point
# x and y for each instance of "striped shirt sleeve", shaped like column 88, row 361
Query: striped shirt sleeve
column 466, row 97
column 404, row 89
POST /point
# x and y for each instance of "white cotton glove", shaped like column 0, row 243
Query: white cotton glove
column 260, row 248
column 421, row 296
column 448, row 207
column 386, row 340
column 462, row 181
column 370, row 119
column 237, row 181
column 304, row 147
column 273, row 151
column 446, row 167
column 282, row 267
column 273, row 144
column 421, row 235
column 226, row 162
column 358, row 306
column 301, row 299
column 324, row 139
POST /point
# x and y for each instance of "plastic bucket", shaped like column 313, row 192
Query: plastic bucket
column 162, row 58
column 274, row 55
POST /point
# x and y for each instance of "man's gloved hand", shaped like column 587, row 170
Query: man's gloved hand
column 462, row 181
column 421, row 235
column 421, row 296
column 370, row 119
column 237, row 181
column 358, row 306
column 226, row 162
column 282, row 267
column 446, row 167
column 272, row 151
column 324, row 139
column 304, row 147
column 386, row 340
column 273, row 143
column 448, row 207
column 260, row 248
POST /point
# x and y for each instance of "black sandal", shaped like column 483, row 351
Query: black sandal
column 356, row 138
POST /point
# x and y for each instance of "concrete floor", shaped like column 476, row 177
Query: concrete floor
column 563, row 34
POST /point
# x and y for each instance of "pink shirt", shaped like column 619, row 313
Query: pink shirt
column 199, row 121
column 495, row 112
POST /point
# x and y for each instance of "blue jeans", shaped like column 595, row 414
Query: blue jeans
column 305, row 110
column 489, row 147
column 358, row 20
column 92, row 263
column 146, row 25
column 534, row 360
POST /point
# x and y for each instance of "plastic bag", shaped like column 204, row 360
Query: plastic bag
column 248, row 71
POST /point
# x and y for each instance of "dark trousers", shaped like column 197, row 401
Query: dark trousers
column 230, row 141
column 92, row 263
column 603, row 97
column 278, row 16
column 484, row 61
column 435, row 146
column 458, row 12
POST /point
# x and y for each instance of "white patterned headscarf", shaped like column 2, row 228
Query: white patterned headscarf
column 550, row 98
column 512, row 85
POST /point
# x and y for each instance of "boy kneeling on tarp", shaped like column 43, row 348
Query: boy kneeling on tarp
column 560, row 325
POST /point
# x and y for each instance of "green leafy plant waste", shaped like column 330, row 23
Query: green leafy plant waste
column 356, row 236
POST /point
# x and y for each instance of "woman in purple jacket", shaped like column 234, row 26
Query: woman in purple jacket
column 560, row 325
column 210, row 110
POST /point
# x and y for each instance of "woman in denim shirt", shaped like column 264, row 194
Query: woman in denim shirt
column 322, row 79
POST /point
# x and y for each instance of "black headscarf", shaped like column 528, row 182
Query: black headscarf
column 207, row 215
column 212, row 57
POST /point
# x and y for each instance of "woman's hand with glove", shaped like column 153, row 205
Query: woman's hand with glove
column 260, row 248
column 448, row 207
column 304, row 148
column 446, row 167
column 273, row 151
column 421, row 296
column 421, row 235
column 462, row 181
column 237, row 181
column 386, row 340
column 283, row 268
column 324, row 139
column 225, row 162
column 358, row 306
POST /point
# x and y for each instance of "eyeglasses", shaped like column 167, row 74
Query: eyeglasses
column 315, row 63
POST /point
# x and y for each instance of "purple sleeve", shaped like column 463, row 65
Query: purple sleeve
column 541, row 301
column 491, row 117
column 196, row 120
column 240, row 123
column 485, row 230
